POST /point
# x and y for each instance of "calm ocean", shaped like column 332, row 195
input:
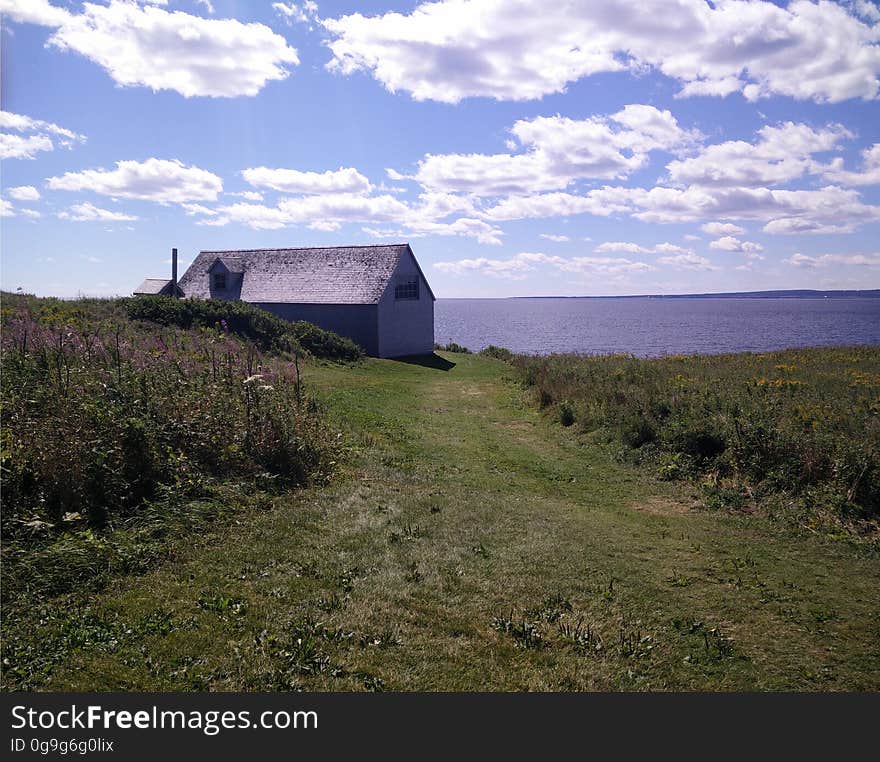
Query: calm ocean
column 650, row 327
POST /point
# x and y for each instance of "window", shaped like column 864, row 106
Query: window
column 407, row 289
column 220, row 281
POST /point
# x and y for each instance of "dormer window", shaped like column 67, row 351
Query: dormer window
column 219, row 281
column 408, row 289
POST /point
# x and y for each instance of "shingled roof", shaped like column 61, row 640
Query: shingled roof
column 336, row 275
column 154, row 286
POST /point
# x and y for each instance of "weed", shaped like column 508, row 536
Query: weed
column 525, row 633
column 582, row 637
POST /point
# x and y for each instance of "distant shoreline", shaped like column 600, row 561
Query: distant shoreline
column 873, row 293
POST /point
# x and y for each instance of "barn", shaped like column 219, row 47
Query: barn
column 375, row 295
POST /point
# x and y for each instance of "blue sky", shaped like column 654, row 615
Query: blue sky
column 520, row 147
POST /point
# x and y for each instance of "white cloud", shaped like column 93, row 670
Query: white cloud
column 729, row 243
column 635, row 248
column 869, row 175
column 28, row 146
column 722, row 228
column 161, row 180
column 525, row 49
column 293, row 13
column 326, row 226
column 342, row 180
column 828, row 209
column 558, row 151
column 554, row 238
column 214, row 221
column 781, row 154
column 520, row 265
column 194, row 209
column 631, row 248
column 6, row 209
column 246, row 195
column 32, row 213
column 34, row 12
column 162, row 50
column 610, row 201
column 829, row 260
column 22, row 123
column 90, row 213
column 689, row 261
column 329, row 211
column 24, row 193
column 21, row 147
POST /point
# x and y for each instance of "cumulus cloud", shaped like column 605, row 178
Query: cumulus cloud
column 342, row 180
column 631, row 248
column 558, row 151
column 151, row 47
column 246, row 195
column 327, row 211
column 325, row 226
column 454, row 49
column 23, row 147
column 520, row 265
column 161, row 180
column 688, row 261
column 635, row 248
column 869, row 174
column 28, row 146
column 780, row 154
column 828, row 209
column 829, row 260
column 90, row 213
column 729, row 243
column 722, row 228
column 34, row 12
column 6, row 209
column 22, row 123
column 24, row 193
column 303, row 13
column 194, row 209
column 555, row 238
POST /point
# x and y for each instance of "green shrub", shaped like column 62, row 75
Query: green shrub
column 266, row 330
column 453, row 347
column 498, row 353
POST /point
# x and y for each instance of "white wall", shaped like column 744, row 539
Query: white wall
column 406, row 326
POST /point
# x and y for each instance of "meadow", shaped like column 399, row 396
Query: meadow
column 192, row 507
column 795, row 434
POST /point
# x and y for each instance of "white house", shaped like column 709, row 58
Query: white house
column 375, row 295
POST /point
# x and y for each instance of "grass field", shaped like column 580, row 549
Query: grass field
column 467, row 541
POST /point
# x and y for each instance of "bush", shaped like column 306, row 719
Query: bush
column 266, row 330
column 498, row 353
column 453, row 347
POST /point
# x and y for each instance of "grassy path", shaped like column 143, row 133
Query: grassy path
column 470, row 544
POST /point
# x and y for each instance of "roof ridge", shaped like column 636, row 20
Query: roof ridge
column 308, row 248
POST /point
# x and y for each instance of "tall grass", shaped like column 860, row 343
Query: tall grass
column 798, row 430
column 105, row 418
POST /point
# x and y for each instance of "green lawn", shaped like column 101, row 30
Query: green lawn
column 468, row 543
